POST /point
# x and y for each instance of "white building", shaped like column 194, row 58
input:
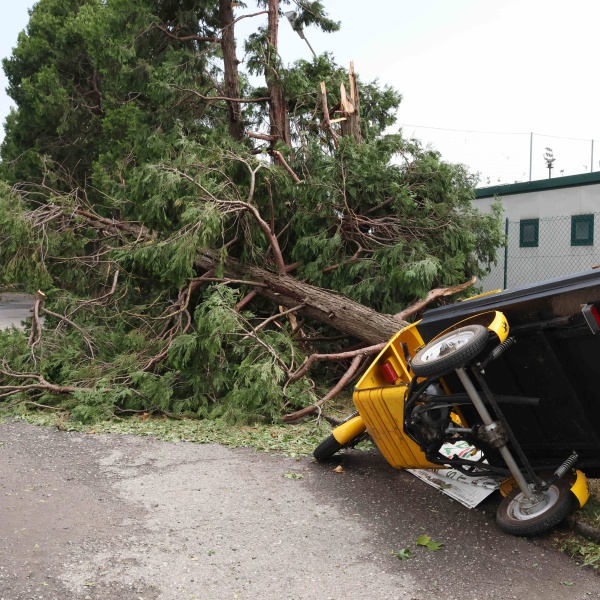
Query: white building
column 552, row 228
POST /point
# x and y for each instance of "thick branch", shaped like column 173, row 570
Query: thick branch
column 225, row 98
column 188, row 38
column 434, row 295
column 35, row 337
column 284, row 164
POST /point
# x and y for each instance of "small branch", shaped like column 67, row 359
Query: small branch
column 354, row 366
column 188, row 38
column 369, row 350
column 262, row 12
column 245, row 301
column 277, row 316
column 42, row 384
column 81, row 331
column 225, row 98
column 241, row 281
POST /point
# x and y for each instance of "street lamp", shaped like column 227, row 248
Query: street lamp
column 292, row 17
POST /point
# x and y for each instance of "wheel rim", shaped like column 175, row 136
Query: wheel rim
column 521, row 509
column 447, row 345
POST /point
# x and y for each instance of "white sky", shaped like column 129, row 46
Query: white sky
column 508, row 66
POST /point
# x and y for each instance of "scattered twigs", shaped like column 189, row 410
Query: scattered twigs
column 434, row 295
column 86, row 339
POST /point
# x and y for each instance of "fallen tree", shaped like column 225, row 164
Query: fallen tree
column 196, row 257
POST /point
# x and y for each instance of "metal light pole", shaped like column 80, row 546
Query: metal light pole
column 292, row 17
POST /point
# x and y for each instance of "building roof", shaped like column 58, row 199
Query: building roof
column 541, row 184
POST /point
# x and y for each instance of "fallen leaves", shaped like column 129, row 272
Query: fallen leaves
column 424, row 541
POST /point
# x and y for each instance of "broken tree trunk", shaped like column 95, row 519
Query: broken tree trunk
column 350, row 108
column 341, row 313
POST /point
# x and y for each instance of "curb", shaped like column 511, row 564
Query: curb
column 583, row 528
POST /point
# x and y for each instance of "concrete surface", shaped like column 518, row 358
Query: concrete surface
column 120, row 517
column 14, row 309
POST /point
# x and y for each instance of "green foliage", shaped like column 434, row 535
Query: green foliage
column 118, row 173
column 403, row 554
column 428, row 543
column 584, row 550
column 221, row 360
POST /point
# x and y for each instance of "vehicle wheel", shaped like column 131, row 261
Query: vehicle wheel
column 450, row 351
column 327, row 448
column 512, row 519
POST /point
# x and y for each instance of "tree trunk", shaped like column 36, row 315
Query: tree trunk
column 231, row 80
column 341, row 313
column 280, row 126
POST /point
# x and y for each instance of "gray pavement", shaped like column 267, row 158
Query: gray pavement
column 14, row 309
column 95, row 517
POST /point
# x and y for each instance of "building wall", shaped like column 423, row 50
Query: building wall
column 554, row 203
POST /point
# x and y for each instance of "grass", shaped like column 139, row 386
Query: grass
column 289, row 440
column 584, row 550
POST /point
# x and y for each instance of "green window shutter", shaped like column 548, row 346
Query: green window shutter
column 529, row 233
column 582, row 230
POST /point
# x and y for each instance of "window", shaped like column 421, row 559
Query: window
column 582, row 230
column 529, row 233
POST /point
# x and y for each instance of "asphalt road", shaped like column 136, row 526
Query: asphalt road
column 120, row 517
column 14, row 309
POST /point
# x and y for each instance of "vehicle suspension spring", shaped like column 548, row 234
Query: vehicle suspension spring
column 496, row 352
column 503, row 347
column 350, row 416
column 567, row 465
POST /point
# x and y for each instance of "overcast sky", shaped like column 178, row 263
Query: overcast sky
column 499, row 69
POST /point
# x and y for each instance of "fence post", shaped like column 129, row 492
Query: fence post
column 592, row 161
column 530, row 154
column 505, row 254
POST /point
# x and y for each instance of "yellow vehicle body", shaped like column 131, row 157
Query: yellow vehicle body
column 380, row 402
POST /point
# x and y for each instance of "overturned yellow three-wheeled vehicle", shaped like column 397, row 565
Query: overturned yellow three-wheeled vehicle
column 514, row 374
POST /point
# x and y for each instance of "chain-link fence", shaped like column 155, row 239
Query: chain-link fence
column 539, row 249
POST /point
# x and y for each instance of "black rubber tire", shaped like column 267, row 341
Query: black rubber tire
column 424, row 364
column 327, row 448
column 512, row 521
